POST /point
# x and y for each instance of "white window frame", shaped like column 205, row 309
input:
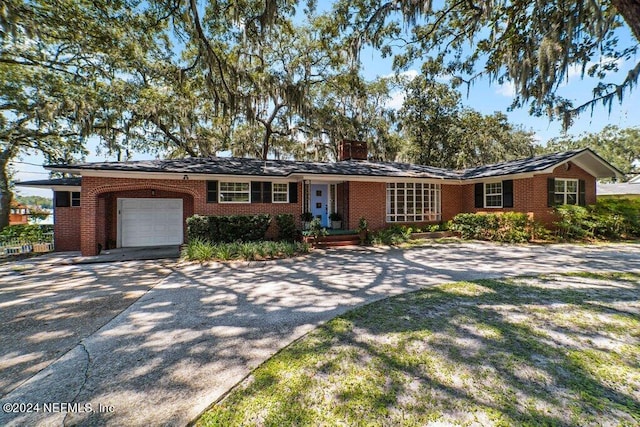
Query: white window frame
column 285, row 192
column 221, row 191
column 487, row 194
column 423, row 205
column 565, row 193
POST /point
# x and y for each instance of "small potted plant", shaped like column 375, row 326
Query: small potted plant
column 306, row 218
column 363, row 229
column 336, row 220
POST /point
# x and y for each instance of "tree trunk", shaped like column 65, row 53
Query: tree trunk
column 630, row 11
column 6, row 195
column 265, row 142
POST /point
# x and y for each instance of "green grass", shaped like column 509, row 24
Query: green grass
column 549, row 350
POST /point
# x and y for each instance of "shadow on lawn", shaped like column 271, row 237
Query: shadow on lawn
column 510, row 350
column 203, row 328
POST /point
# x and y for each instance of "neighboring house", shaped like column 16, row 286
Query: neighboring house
column 146, row 203
column 625, row 190
column 19, row 214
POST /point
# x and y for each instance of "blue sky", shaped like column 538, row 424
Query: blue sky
column 482, row 97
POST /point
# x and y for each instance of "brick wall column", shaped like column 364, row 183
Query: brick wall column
column 88, row 237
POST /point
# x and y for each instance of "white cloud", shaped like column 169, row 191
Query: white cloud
column 507, row 89
column 411, row 74
column 396, row 101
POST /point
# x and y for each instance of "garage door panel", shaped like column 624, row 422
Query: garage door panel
column 151, row 222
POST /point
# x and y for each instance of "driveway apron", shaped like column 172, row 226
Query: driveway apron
column 188, row 339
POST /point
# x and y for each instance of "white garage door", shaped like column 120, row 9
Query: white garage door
column 150, row 222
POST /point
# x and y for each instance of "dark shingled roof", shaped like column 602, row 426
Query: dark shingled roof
column 530, row 164
column 285, row 168
column 274, row 168
column 68, row 182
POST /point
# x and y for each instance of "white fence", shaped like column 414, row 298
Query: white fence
column 17, row 246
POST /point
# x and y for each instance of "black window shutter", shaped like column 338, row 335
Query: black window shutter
column 62, row 199
column 551, row 192
column 256, row 192
column 293, row 192
column 507, row 193
column 479, row 190
column 582, row 193
column 212, row 191
column 266, row 192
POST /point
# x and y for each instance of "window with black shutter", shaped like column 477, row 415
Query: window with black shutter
column 479, row 193
column 507, row 193
column 212, row 191
column 260, row 192
column 582, row 193
column 293, row 192
column 494, row 194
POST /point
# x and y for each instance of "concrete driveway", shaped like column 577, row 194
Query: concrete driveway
column 141, row 345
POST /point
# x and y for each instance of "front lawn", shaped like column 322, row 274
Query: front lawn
column 555, row 350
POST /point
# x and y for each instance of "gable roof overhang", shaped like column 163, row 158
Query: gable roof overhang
column 592, row 163
column 55, row 184
column 586, row 159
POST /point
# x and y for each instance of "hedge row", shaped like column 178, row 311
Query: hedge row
column 228, row 228
column 31, row 233
column 607, row 219
column 234, row 228
column 511, row 227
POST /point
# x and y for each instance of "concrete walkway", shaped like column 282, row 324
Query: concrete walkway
column 201, row 329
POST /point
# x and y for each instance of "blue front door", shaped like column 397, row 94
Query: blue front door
column 320, row 202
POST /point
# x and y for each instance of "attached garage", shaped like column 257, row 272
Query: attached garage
column 150, row 222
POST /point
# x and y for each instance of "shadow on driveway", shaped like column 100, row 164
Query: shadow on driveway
column 183, row 344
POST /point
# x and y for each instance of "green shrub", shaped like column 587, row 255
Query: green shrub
column 617, row 218
column 475, row 226
column 286, row 227
column 607, row 219
column 303, row 247
column 225, row 251
column 393, row 235
column 199, row 250
column 316, row 229
column 197, row 227
column 514, row 227
column 26, row 233
column 574, row 222
column 203, row 250
column 271, row 249
column 511, row 227
column 248, row 251
column 288, row 249
column 228, row 228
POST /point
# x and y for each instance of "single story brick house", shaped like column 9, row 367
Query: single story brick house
column 146, row 203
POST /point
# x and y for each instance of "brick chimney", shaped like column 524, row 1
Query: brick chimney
column 352, row 150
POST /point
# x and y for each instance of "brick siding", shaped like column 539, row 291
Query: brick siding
column 66, row 231
column 98, row 216
column 530, row 194
column 368, row 200
column 98, row 222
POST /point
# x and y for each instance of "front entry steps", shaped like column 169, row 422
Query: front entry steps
column 335, row 240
